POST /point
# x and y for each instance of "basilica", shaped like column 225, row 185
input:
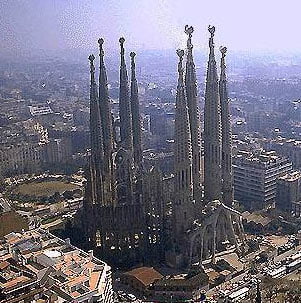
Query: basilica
column 132, row 214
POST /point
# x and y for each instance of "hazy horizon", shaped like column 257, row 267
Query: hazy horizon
column 55, row 25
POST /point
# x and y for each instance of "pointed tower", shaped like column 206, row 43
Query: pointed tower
column 96, row 141
column 126, row 133
column 105, row 111
column 136, row 122
column 183, row 191
column 194, row 117
column 227, row 176
column 212, row 129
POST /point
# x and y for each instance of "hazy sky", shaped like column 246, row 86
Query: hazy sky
column 149, row 24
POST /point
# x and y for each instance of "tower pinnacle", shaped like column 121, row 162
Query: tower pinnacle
column 105, row 109
column 92, row 68
column 194, row 116
column 106, row 125
column 121, row 42
column 180, row 53
column 223, row 50
column 136, row 122
column 227, row 175
column 189, row 30
column 211, row 30
column 212, row 128
column 132, row 55
column 96, row 141
column 126, row 133
column 183, row 206
column 100, row 43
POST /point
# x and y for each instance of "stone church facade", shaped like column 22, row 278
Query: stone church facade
column 126, row 217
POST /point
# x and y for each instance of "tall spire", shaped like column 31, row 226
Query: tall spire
column 194, row 116
column 183, row 206
column 96, row 159
column 227, row 175
column 212, row 129
column 107, row 129
column 136, row 122
column 105, row 110
column 126, row 133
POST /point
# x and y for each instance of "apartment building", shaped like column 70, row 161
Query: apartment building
column 288, row 191
column 256, row 174
column 39, row 266
column 19, row 158
column 289, row 148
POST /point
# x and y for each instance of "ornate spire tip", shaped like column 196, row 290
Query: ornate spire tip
column 180, row 53
column 91, row 58
column 211, row 30
column 121, row 41
column 132, row 55
column 100, row 41
column 223, row 50
column 189, row 30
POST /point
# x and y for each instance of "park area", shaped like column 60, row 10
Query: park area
column 44, row 188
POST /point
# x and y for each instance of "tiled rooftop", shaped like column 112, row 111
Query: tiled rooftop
column 75, row 272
